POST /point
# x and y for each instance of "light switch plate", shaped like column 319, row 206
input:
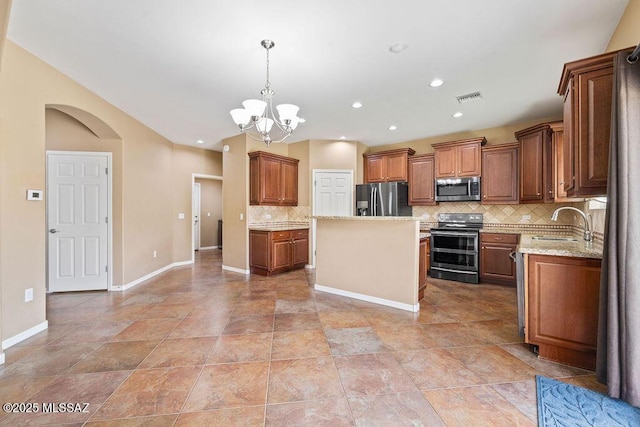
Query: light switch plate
column 35, row 194
column 181, row 215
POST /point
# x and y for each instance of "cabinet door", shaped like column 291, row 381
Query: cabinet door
column 468, row 160
column 563, row 295
column 271, row 179
column 280, row 254
column 496, row 263
column 422, row 268
column 445, row 159
column 500, row 175
column 568, row 142
column 289, row 175
column 594, row 130
column 396, row 167
column 376, row 169
column 531, row 167
column 300, row 252
column 421, row 181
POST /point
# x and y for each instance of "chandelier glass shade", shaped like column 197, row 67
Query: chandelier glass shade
column 258, row 119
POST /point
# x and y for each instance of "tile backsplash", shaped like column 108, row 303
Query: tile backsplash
column 269, row 214
column 529, row 214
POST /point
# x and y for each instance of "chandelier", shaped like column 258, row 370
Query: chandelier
column 258, row 120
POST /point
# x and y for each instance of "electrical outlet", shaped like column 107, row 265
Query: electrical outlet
column 155, row 254
column 28, row 295
column 241, row 217
column 526, row 217
column 267, row 216
column 181, row 215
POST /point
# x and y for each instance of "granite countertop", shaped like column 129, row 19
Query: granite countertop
column 578, row 248
column 371, row 218
column 278, row 227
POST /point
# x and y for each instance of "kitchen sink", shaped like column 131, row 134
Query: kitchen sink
column 555, row 238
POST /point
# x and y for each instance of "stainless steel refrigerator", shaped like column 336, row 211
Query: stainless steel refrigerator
column 383, row 199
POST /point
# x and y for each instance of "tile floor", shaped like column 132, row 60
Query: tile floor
column 198, row 346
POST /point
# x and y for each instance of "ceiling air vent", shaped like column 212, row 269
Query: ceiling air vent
column 473, row 96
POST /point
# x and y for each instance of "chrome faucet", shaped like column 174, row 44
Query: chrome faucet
column 587, row 228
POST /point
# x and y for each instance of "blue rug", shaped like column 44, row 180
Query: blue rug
column 562, row 404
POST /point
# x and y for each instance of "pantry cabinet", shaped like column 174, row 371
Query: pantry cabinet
column 272, row 252
column 500, row 176
column 387, row 166
column 458, row 158
column 422, row 180
column 562, row 298
column 586, row 87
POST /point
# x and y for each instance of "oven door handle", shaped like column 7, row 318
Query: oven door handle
column 454, row 233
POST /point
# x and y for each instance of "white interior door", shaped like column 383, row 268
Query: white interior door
column 195, row 210
column 333, row 193
column 77, row 220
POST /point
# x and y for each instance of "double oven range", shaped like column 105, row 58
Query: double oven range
column 455, row 247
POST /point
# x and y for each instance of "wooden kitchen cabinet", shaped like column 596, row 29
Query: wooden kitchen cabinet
column 272, row 252
column 536, row 164
column 497, row 261
column 387, row 166
column 557, row 146
column 422, row 180
column 458, row 158
column 422, row 267
column 500, row 176
column 273, row 179
column 586, row 86
column 562, row 297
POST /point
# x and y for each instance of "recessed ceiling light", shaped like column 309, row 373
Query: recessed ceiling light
column 200, row 141
column 436, row 83
column 458, row 114
column 343, row 137
column 398, row 47
column 301, row 120
column 357, row 104
column 393, row 127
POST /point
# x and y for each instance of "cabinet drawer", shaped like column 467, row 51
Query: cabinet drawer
column 299, row 234
column 498, row 238
column 281, row 235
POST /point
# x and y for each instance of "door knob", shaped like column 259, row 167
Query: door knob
column 53, row 230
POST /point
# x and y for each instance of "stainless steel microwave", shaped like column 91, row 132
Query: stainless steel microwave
column 457, row 189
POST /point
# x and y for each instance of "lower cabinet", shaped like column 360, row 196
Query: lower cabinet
column 272, row 252
column 562, row 297
column 423, row 268
column 497, row 261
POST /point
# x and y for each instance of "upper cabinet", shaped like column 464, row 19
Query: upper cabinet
column 536, row 164
column 421, row 180
column 273, row 179
column 387, row 166
column 586, row 87
column 557, row 145
column 458, row 158
column 500, row 174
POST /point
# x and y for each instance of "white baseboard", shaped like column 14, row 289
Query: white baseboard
column 149, row 276
column 9, row 342
column 235, row 270
column 368, row 298
column 309, row 266
column 1, row 358
column 206, row 248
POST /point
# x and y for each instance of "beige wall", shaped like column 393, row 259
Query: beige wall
column 628, row 31
column 154, row 176
column 300, row 151
column 210, row 210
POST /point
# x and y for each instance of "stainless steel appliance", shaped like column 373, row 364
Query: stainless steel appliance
column 383, row 199
column 454, row 247
column 457, row 189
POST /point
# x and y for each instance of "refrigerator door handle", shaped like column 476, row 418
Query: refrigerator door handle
column 391, row 204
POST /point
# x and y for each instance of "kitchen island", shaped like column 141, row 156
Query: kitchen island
column 373, row 259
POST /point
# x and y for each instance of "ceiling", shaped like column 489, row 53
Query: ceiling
column 180, row 66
